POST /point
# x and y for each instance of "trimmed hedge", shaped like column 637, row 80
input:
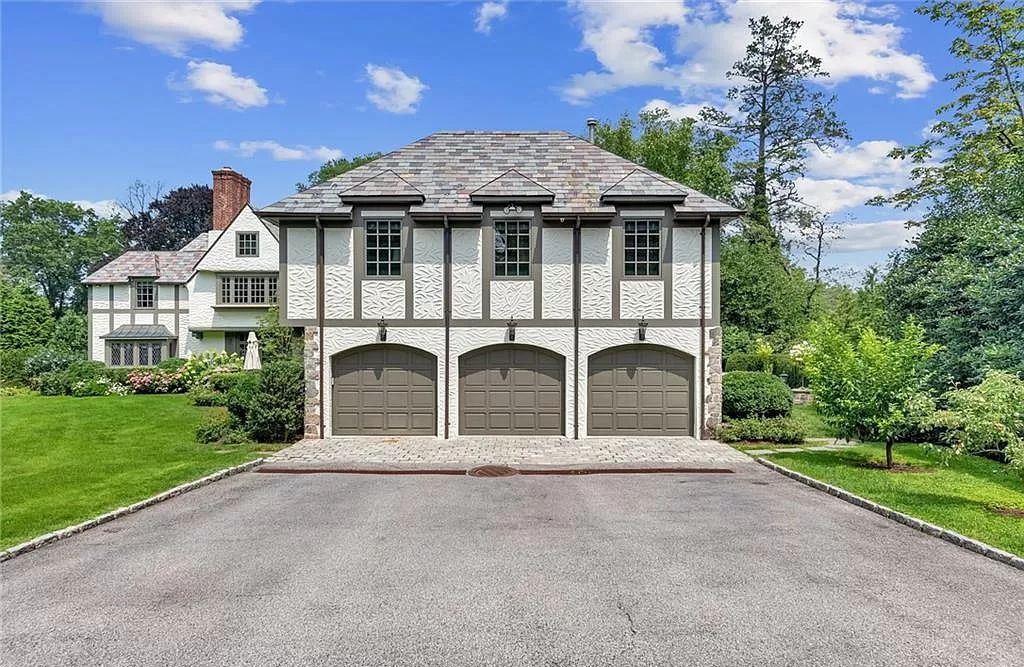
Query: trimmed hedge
column 783, row 430
column 782, row 363
column 753, row 394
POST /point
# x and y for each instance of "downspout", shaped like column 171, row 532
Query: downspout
column 703, row 326
column 320, row 314
column 576, row 255
column 446, row 296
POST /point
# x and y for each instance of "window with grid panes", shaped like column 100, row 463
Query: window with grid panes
column 383, row 248
column 511, row 248
column 642, row 247
column 247, row 244
column 247, row 290
column 145, row 293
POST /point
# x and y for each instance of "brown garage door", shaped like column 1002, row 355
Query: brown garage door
column 384, row 389
column 639, row 390
column 511, row 390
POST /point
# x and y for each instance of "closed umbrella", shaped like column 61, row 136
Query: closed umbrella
column 252, row 353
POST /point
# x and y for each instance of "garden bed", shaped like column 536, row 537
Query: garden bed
column 970, row 495
column 68, row 459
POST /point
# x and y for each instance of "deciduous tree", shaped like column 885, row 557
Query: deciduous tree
column 332, row 168
column 170, row 221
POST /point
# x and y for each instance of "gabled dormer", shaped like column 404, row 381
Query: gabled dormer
column 512, row 186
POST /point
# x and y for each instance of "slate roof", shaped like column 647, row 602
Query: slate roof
column 639, row 183
column 382, row 184
column 166, row 266
column 136, row 331
column 511, row 184
column 447, row 167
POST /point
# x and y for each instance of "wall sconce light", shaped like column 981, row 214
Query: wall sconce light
column 511, row 330
column 382, row 330
column 643, row 328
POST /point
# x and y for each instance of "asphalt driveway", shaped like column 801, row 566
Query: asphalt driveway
column 750, row 568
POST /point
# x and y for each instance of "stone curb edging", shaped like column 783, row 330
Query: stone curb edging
column 63, row 533
column 950, row 536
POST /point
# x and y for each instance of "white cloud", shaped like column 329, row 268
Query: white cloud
column 393, row 90
column 833, row 194
column 882, row 235
column 222, row 86
column 852, row 39
column 488, row 13
column 104, row 208
column 868, row 159
column 675, row 111
column 279, row 152
column 171, row 26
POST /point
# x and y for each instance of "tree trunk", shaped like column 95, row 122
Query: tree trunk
column 888, row 453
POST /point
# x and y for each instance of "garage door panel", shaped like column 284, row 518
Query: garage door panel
column 519, row 389
column 384, row 390
column 641, row 390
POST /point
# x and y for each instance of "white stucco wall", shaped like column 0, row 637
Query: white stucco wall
column 641, row 298
column 556, row 274
column 165, row 297
column 121, row 296
column 220, row 256
column 338, row 268
column 301, row 273
column 595, row 339
column 595, row 273
column 100, row 327
column 685, row 273
column 203, row 315
column 428, row 273
column 467, row 276
column 338, row 339
column 466, row 339
column 511, row 299
column 383, row 298
column 212, row 341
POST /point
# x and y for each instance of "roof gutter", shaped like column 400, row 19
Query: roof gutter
column 703, row 321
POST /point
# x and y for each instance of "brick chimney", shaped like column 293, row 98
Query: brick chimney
column 230, row 194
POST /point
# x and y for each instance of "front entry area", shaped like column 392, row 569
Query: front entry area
column 639, row 390
column 511, row 390
column 384, row 390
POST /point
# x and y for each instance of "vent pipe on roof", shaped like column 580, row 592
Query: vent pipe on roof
column 591, row 129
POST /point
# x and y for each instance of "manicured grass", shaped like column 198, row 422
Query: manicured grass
column 812, row 421
column 960, row 495
column 64, row 460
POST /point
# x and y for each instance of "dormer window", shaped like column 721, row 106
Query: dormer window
column 145, row 293
column 643, row 248
column 383, row 248
column 247, row 244
column 511, row 248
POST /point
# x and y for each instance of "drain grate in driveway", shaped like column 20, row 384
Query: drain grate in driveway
column 492, row 471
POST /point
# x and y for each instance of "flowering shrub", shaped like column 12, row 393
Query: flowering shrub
column 197, row 369
column 156, row 381
column 99, row 386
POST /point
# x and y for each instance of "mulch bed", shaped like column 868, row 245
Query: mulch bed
column 1015, row 512
column 896, row 467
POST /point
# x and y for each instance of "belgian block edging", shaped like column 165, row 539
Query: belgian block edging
column 63, row 533
column 929, row 528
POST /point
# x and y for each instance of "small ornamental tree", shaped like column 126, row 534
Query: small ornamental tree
column 874, row 389
column 987, row 418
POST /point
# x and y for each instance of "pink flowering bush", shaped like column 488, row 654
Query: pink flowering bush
column 156, row 381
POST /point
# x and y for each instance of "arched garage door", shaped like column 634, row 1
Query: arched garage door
column 384, row 389
column 511, row 390
column 639, row 390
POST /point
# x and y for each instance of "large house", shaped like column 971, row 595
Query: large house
column 146, row 306
column 504, row 283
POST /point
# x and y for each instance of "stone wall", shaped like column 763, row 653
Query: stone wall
column 311, row 365
column 713, row 385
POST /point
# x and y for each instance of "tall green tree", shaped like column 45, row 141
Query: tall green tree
column 51, row 245
column 25, row 317
column 780, row 115
column 680, row 149
column 332, row 168
column 975, row 151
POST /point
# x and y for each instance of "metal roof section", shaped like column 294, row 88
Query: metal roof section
column 140, row 332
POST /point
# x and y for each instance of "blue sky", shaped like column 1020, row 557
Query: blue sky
column 96, row 95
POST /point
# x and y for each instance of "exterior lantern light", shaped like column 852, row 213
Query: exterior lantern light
column 643, row 328
column 511, row 330
column 382, row 330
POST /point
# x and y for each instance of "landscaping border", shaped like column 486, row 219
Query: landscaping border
column 950, row 536
column 63, row 533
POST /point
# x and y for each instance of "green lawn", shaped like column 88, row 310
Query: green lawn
column 812, row 421
column 961, row 496
column 64, row 460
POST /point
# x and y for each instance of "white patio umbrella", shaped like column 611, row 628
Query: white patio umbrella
column 252, row 353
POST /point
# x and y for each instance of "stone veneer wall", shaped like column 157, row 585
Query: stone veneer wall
column 713, row 386
column 311, row 366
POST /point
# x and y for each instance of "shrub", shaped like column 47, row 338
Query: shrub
column 987, row 418
column 48, row 360
column 753, row 394
column 99, row 386
column 85, row 370
column 171, row 364
column 784, row 430
column 16, row 391
column 277, row 342
column 54, row 383
column 276, row 414
column 204, row 397
column 156, row 381
column 781, row 363
column 13, row 366
column 223, row 382
column 198, row 368
column 242, row 396
column 214, row 428
column 71, row 335
column 118, row 375
column 25, row 317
